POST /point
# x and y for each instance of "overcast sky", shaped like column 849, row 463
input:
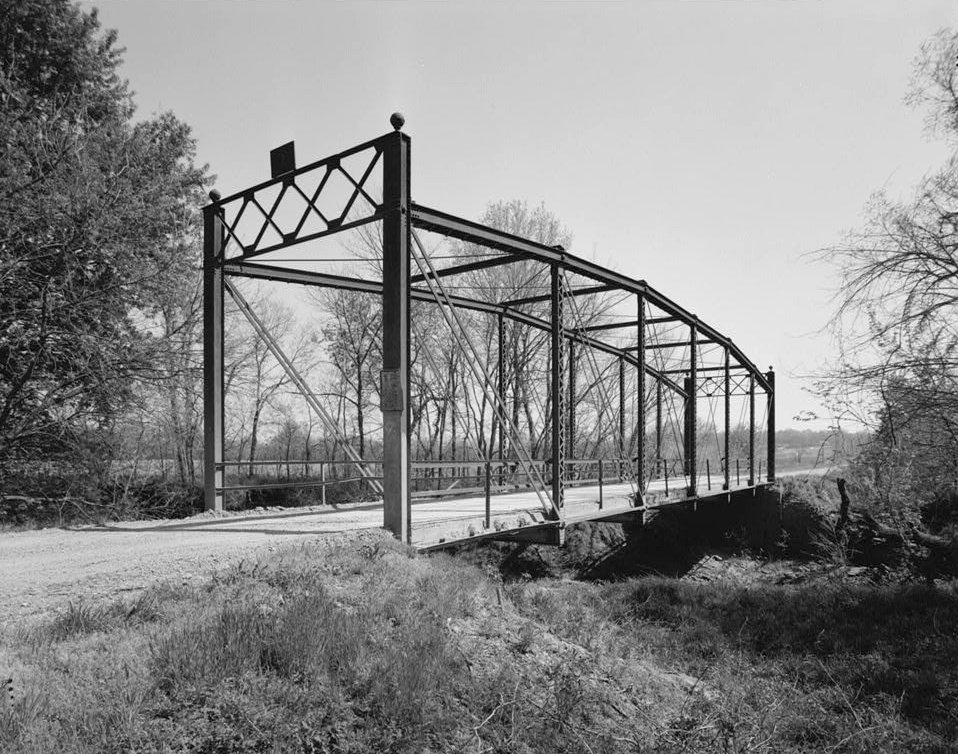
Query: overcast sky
column 704, row 147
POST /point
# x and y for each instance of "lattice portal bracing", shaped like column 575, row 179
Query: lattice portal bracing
column 520, row 386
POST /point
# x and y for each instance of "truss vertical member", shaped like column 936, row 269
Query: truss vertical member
column 751, row 429
column 770, row 429
column 570, row 421
column 395, row 370
column 728, row 419
column 213, row 243
column 658, row 426
column 640, row 471
column 557, row 388
column 687, row 387
column 501, row 390
column 691, row 439
column 623, row 450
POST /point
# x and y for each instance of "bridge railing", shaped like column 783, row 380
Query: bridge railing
column 249, row 477
column 673, row 473
column 458, row 478
column 486, row 480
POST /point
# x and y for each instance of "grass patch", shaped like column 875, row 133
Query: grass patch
column 849, row 668
column 366, row 647
column 82, row 617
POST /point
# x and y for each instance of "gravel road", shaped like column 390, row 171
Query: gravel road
column 41, row 570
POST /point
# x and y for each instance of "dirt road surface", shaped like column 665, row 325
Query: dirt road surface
column 45, row 569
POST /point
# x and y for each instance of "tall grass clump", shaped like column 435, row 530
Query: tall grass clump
column 319, row 649
column 839, row 653
column 365, row 646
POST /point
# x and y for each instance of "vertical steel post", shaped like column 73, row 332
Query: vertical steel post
column 691, row 441
column 658, row 425
column 213, row 243
column 500, row 386
column 395, row 370
column 728, row 418
column 640, row 471
column 770, row 438
column 686, row 409
column 751, row 429
column 488, row 504
column 570, row 421
column 600, row 483
column 622, row 446
column 556, row 388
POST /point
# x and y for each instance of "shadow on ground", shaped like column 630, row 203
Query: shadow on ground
column 672, row 543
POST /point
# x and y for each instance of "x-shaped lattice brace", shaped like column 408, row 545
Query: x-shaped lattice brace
column 249, row 201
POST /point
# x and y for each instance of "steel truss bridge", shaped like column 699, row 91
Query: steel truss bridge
column 601, row 398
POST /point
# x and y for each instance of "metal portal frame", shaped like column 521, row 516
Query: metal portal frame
column 661, row 326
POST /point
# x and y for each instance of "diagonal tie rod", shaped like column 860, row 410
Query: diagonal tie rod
column 297, row 379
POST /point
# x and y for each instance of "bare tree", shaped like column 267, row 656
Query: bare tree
column 254, row 377
column 353, row 339
column 896, row 318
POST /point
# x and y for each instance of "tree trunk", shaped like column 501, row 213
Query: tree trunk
column 359, row 412
column 253, row 439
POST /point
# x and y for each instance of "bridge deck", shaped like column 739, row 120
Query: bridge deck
column 451, row 520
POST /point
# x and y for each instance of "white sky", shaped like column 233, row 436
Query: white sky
column 703, row 147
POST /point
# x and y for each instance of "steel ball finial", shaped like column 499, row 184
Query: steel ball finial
column 397, row 120
column 215, row 195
